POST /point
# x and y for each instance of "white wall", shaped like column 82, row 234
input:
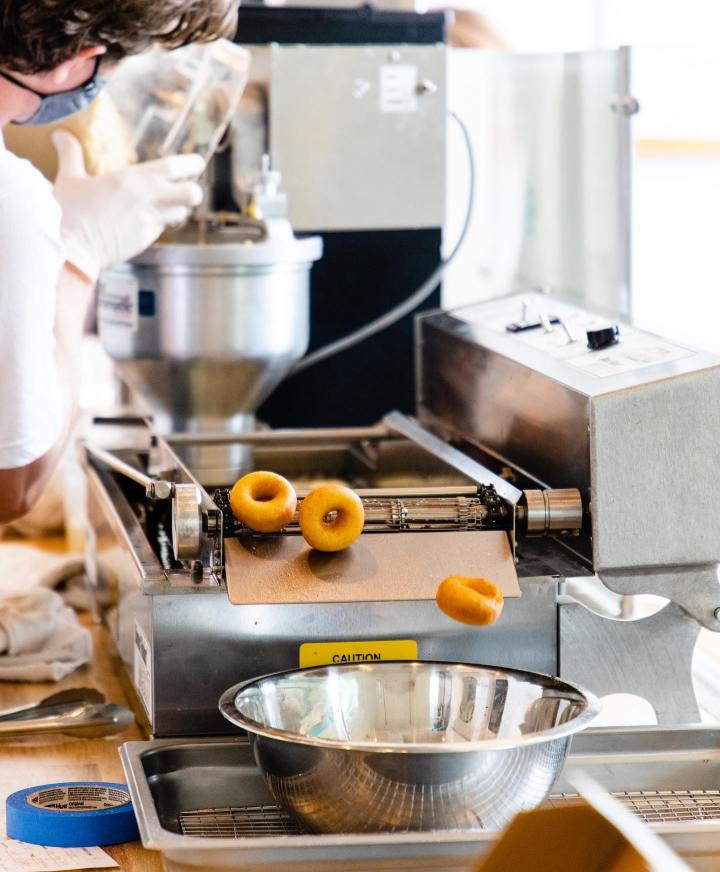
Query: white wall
column 563, row 25
column 658, row 22
column 541, row 25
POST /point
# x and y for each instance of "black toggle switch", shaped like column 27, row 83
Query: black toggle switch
column 603, row 338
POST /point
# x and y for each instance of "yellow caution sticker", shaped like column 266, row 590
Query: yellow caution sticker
column 324, row 653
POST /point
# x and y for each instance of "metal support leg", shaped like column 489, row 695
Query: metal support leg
column 651, row 658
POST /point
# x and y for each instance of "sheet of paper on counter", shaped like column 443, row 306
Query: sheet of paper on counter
column 21, row 857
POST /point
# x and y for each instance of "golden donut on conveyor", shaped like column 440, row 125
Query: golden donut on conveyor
column 263, row 501
column 331, row 517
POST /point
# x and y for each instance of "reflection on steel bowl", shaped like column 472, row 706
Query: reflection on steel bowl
column 397, row 746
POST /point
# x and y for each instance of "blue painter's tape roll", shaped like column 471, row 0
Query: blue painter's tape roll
column 78, row 814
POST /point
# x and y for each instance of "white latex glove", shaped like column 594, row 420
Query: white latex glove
column 111, row 218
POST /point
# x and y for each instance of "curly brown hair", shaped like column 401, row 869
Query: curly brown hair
column 39, row 35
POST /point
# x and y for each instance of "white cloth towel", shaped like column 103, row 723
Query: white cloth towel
column 40, row 636
column 43, row 640
column 24, row 567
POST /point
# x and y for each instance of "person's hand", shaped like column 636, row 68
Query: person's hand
column 109, row 219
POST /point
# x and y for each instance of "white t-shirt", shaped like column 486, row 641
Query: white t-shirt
column 31, row 257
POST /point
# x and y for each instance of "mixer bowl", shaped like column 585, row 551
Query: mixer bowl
column 397, row 746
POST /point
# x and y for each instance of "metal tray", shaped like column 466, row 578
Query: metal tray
column 204, row 805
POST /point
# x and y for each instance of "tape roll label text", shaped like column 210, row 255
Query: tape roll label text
column 78, row 797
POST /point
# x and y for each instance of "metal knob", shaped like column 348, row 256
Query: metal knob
column 603, row 337
column 427, row 86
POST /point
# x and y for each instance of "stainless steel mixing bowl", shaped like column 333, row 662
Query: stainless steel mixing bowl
column 409, row 745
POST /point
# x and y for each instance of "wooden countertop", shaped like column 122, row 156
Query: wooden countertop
column 78, row 760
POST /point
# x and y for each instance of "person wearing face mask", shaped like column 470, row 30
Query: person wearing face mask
column 55, row 240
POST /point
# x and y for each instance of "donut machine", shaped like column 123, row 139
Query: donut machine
column 196, row 601
column 551, row 453
column 549, row 467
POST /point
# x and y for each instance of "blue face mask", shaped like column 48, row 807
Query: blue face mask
column 54, row 107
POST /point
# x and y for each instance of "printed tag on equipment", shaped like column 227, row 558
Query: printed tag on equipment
column 118, row 302
column 326, row 653
column 398, row 88
column 636, row 352
column 142, row 669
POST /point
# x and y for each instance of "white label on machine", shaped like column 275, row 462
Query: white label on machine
column 118, row 303
column 398, row 88
column 635, row 352
column 142, row 668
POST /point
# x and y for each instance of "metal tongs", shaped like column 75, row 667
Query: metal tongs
column 78, row 711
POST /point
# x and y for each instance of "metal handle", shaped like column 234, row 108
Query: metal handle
column 569, row 332
column 73, row 695
column 546, row 322
column 155, row 489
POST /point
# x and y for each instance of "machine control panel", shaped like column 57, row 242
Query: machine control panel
column 590, row 344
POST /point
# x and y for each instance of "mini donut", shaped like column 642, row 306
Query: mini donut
column 474, row 601
column 263, row 501
column 331, row 517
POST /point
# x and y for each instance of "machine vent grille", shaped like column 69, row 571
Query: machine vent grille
column 254, row 821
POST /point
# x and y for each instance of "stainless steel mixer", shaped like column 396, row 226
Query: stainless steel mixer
column 204, row 324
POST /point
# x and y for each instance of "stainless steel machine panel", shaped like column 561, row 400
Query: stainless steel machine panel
column 657, row 451
column 383, row 109
column 190, row 670
column 633, row 425
column 506, row 404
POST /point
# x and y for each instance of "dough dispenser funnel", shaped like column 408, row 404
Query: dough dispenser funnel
column 204, row 325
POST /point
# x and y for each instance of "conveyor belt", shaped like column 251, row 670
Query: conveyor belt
column 448, row 508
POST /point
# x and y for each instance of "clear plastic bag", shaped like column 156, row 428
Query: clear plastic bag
column 179, row 102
